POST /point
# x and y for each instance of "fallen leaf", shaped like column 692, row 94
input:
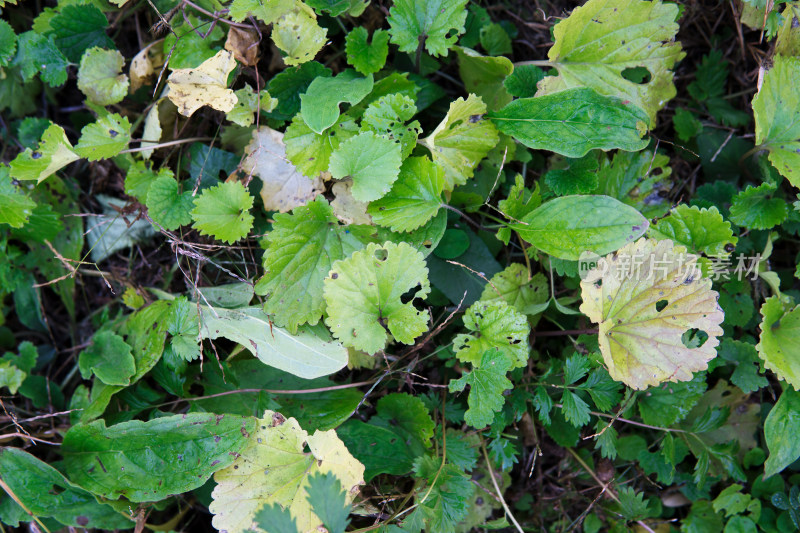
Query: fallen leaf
column 345, row 207
column 144, row 64
column 284, row 186
column 243, row 42
column 192, row 88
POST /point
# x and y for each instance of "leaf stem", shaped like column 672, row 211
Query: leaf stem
column 535, row 63
column 164, row 145
column 497, row 488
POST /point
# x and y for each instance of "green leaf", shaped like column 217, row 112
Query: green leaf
column 710, row 78
column 38, row 53
column 372, row 162
column 191, row 49
column 8, row 43
column 600, row 40
column 487, row 382
column 745, row 358
column 166, row 206
column 568, row 226
column 387, row 116
column 494, row 325
column 302, row 247
column 121, row 460
column 522, row 82
column 443, row 501
column 246, row 106
column 366, row 58
column 14, row 369
column 702, row 231
column 289, row 84
column 776, row 108
column 516, row 288
column 780, row 433
column 224, row 212
column 669, row 403
column 76, row 28
column 639, row 179
column 576, row 411
column 495, row 40
column 517, row 205
column 461, row 140
column 310, row 353
column 182, row 325
column 54, row 153
column 332, row 7
column 298, row 35
column 780, row 339
column 573, row 176
column 687, row 126
column 267, row 11
column 319, row 105
column 756, row 208
column 632, row 504
column 400, row 432
column 364, row 293
column 434, row 24
column 15, row 206
column 109, row 358
column 275, row 519
column 415, row 197
column 100, row 77
column 328, row 501
column 105, row 138
column 311, row 152
column 140, row 178
column 572, row 122
column 46, row 493
column 485, row 76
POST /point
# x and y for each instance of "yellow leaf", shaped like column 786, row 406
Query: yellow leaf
column 192, row 88
column 274, row 469
column 144, row 64
column 345, row 207
column 645, row 297
column 284, row 186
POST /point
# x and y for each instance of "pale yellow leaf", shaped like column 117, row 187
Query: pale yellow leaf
column 274, row 469
column 151, row 134
column 144, row 64
column 284, row 186
column 645, row 297
column 192, row 88
column 345, row 207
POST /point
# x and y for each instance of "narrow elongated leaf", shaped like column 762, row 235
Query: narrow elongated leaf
column 47, row 493
column 308, row 354
column 148, row 461
column 573, row 122
column 570, row 225
column 780, row 432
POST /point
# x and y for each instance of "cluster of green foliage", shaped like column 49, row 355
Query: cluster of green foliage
column 288, row 266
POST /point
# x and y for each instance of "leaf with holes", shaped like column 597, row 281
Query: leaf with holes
column 461, row 140
column 54, row 153
column 274, row 468
column 192, row 88
column 494, row 325
column 434, row 24
column 644, row 298
column 602, row 40
column 366, row 299
column 105, row 138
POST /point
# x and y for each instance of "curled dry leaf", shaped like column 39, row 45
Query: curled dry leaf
column 284, row 186
column 192, row 88
column 345, row 207
column 645, row 297
column 243, row 42
column 145, row 64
